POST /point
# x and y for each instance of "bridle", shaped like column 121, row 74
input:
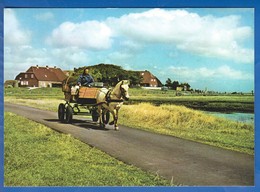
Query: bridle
column 123, row 95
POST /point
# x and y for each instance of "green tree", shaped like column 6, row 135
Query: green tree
column 185, row 85
column 110, row 74
column 134, row 77
column 175, row 84
column 168, row 82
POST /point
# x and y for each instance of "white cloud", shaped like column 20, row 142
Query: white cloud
column 222, row 72
column 14, row 35
column 131, row 46
column 70, row 57
column 20, row 58
column 18, row 54
column 128, row 49
column 208, row 35
column 45, row 16
column 116, row 57
column 92, row 35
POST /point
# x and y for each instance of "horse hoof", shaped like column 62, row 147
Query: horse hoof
column 116, row 128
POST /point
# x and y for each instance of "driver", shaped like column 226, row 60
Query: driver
column 85, row 79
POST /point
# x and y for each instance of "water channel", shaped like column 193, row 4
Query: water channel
column 240, row 117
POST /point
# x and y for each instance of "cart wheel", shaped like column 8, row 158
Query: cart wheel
column 69, row 114
column 94, row 115
column 105, row 116
column 61, row 112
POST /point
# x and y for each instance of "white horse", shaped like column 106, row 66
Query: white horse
column 112, row 100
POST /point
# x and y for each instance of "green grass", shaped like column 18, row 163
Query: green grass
column 178, row 121
column 171, row 119
column 190, row 124
column 219, row 103
column 223, row 102
column 174, row 120
column 38, row 156
column 34, row 93
column 49, row 104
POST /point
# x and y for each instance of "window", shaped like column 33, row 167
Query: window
column 25, row 76
column 24, row 82
column 32, row 76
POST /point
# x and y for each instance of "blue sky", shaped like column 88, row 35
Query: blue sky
column 209, row 48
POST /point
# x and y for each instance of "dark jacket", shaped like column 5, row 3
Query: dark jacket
column 85, row 80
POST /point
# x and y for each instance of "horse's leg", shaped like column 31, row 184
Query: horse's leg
column 99, row 118
column 115, row 119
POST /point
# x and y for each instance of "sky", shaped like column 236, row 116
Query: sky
column 209, row 48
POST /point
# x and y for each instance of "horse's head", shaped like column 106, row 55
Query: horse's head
column 124, row 86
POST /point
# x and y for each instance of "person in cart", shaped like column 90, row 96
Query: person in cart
column 85, row 79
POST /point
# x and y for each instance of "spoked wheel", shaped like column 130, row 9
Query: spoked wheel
column 61, row 112
column 69, row 114
column 105, row 116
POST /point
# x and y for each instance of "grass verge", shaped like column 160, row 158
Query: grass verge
column 38, row 156
column 174, row 120
column 221, row 102
column 190, row 124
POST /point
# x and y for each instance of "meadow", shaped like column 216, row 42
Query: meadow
column 169, row 119
column 205, row 102
column 218, row 103
column 35, row 155
column 33, row 152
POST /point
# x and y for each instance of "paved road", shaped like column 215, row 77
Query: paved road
column 185, row 162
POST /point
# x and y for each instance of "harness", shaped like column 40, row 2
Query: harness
column 108, row 98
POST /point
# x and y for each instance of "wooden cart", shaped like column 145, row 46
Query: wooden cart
column 81, row 101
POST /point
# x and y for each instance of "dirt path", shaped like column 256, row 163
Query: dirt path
column 184, row 162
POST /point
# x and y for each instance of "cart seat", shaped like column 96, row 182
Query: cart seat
column 88, row 92
column 87, row 95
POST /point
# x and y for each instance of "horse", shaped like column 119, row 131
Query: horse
column 112, row 100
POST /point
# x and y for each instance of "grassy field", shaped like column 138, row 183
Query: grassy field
column 33, row 152
column 38, row 156
column 220, row 103
column 190, row 124
column 174, row 120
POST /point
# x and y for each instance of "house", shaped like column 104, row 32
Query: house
column 149, row 80
column 37, row 76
